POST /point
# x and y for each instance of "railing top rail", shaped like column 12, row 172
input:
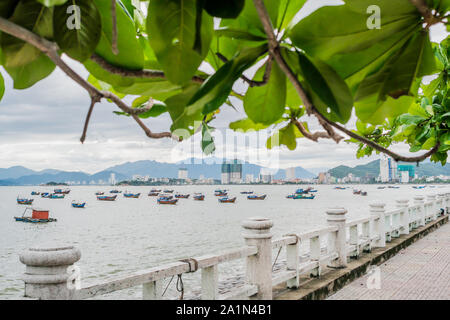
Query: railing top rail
column 357, row 221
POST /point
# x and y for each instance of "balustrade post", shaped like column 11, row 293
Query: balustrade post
column 377, row 213
column 431, row 211
column 419, row 200
column 439, row 208
column 292, row 261
column 50, row 273
column 259, row 267
column 404, row 215
column 354, row 240
column 314, row 251
column 337, row 240
column 366, row 235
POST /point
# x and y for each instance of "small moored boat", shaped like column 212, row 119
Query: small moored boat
column 199, row 197
column 131, row 195
column 25, row 201
column 221, row 194
column 153, row 194
column 182, row 196
column 61, row 191
column 45, row 195
column 168, row 191
column 99, row 193
column 227, row 200
column 107, row 198
column 57, row 196
column 35, row 193
column 115, row 191
column 37, row 216
column 304, row 196
column 167, row 200
column 78, row 204
column 246, row 192
column 255, row 197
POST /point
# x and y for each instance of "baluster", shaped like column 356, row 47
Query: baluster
column 419, row 200
column 431, row 210
column 210, row 280
column 388, row 226
column 366, row 235
column 377, row 212
column 314, row 247
column 353, row 230
column 337, row 240
column 293, row 261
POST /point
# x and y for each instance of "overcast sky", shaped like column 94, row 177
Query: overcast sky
column 40, row 128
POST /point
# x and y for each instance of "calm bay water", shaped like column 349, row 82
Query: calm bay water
column 127, row 235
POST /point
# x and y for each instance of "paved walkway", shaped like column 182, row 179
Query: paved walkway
column 419, row 272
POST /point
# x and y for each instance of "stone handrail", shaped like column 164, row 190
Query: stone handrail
column 52, row 273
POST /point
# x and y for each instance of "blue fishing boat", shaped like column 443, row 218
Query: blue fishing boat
column 199, row 197
column 167, row 200
column 290, row 196
column 35, row 193
column 227, row 200
column 168, row 191
column 25, row 201
column 107, row 198
column 220, row 194
column 419, row 187
column 131, row 195
column 78, row 204
column 303, row 196
column 246, row 192
column 182, row 196
column 115, row 191
column 340, row 188
column 57, row 196
column 61, row 191
column 255, row 197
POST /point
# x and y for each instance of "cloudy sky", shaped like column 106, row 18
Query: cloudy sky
column 40, row 128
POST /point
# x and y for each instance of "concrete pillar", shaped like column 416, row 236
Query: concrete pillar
column 404, row 215
column 431, row 212
column 337, row 240
column 50, row 273
column 377, row 213
column 259, row 267
column 420, row 200
column 441, row 197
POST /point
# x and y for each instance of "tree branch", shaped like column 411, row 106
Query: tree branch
column 88, row 118
column 253, row 83
column 326, row 123
column 114, row 47
column 311, row 136
column 426, row 12
column 51, row 50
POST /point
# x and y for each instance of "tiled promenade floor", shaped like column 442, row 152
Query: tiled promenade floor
column 419, row 272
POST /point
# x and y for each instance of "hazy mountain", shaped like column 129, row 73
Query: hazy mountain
column 426, row 168
column 15, row 172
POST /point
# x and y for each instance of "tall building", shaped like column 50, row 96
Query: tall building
column 112, row 179
column 404, row 176
column 408, row 168
column 290, row 174
column 182, row 173
column 388, row 169
column 249, row 178
column 324, row 177
column 231, row 172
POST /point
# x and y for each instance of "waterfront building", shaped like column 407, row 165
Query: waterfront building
column 404, row 176
column 249, row 178
column 410, row 169
column 182, row 173
column 324, row 177
column 231, row 172
column 388, row 169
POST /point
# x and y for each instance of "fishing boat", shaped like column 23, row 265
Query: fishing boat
column 57, row 196
column 363, row 193
column 61, row 191
column 221, row 194
column 220, row 190
column 381, row 188
column 153, row 194
column 304, row 196
column 115, row 191
column 131, row 195
column 356, row 191
column 107, row 198
column 37, row 216
column 246, row 192
column 227, row 200
column 419, row 187
column 393, row 187
column 255, row 197
column 99, row 193
column 167, row 200
column 290, row 196
column 340, row 188
column 25, row 201
column 35, row 193
column 165, row 196
column 199, row 197
column 155, row 190
column 312, row 190
column 168, row 191
column 78, row 204
column 45, row 195
column 182, row 196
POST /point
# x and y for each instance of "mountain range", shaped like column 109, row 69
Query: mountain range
column 426, row 168
column 211, row 168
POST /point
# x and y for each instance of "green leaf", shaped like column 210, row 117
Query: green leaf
column 80, row 42
column 7, row 7
column 224, row 9
column 2, row 86
column 172, row 33
column 52, row 3
column 266, row 104
column 208, row 145
column 246, row 125
column 328, row 92
column 288, row 10
column 179, row 112
column 215, row 90
column 27, row 75
column 376, row 113
column 429, row 144
column 34, row 17
column 286, row 136
column 130, row 54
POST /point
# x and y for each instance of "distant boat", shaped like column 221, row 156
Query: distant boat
column 167, row 200
column 393, row 187
column 115, row 191
column 220, row 190
column 37, row 216
column 153, row 194
column 290, row 196
column 45, row 195
column 61, row 191
column 182, row 196
column 227, row 200
column 57, row 196
column 246, row 192
column 78, row 204
column 221, row 194
column 25, row 201
column 303, row 196
column 99, row 193
column 168, row 191
column 381, row 188
column 35, row 193
column 131, row 195
column 107, row 198
column 419, row 187
column 199, row 197
column 165, row 196
column 363, row 193
column 314, row 190
column 356, row 191
column 340, row 188
column 155, row 190
column 255, row 197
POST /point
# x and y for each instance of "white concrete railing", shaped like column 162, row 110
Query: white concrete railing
column 50, row 272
